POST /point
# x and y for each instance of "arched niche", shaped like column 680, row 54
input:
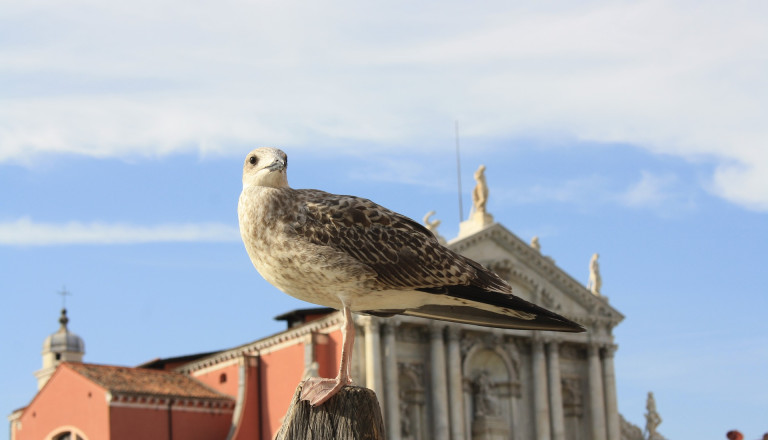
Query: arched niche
column 413, row 421
column 491, row 389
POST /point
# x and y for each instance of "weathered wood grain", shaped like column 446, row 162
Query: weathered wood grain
column 352, row 414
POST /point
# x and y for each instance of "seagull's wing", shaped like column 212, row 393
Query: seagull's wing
column 407, row 257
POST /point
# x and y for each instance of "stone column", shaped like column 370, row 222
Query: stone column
column 596, row 395
column 391, row 381
column 540, row 404
column 611, row 402
column 440, row 428
column 555, row 392
column 455, row 383
column 373, row 379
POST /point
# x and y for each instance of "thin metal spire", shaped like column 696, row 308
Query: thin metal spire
column 64, row 294
column 458, row 173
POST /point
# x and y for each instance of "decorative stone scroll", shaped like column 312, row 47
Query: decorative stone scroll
column 573, row 397
column 432, row 226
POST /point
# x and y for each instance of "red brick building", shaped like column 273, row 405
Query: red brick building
column 241, row 393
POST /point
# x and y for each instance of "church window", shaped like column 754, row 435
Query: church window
column 222, row 377
column 68, row 435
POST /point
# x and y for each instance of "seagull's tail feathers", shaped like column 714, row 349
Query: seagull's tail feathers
column 487, row 301
column 473, row 305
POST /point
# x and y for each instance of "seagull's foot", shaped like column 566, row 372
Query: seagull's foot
column 316, row 390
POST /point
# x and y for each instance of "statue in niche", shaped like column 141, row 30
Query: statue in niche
column 432, row 226
column 572, row 398
column 480, row 193
column 595, row 282
column 535, row 244
column 406, row 429
column 486, row 402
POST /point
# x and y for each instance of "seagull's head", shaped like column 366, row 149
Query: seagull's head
column 266, row 167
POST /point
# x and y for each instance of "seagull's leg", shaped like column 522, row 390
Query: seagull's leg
column 347, row 342
column 317, row 390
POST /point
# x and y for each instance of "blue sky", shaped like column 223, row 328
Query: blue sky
column 636, row 130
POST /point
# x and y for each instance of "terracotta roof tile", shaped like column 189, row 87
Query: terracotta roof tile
column 145, row 381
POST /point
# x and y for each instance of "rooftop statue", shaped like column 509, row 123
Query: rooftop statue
column 479, row 217
column 595, row 282
column 432, row 226
column 480, row 193
column 535, row 244
column 652, row 419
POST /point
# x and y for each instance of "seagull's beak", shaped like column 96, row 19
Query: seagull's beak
column 277, row 165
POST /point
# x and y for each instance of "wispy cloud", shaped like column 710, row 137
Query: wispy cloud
column 662, row 193
column 26, row 232
column 110, row 80
column 659, row 192
column 586, row 190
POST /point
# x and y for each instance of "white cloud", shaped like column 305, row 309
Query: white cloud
column 109, row 79
column 584, row 191
column 653, row 191
column 662, row 193
column 26, row 232
column 736, row 182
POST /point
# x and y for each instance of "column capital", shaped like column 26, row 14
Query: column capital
column 610, row 350
column 371, row 323
column 593, row 348
column 388, row 326
column 436, row 329
column 554, row 347
column 454, row 333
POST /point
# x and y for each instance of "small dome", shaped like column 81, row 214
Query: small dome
column 63, row 340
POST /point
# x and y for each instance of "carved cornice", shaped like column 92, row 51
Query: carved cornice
column 208, row 405
column 544, row 267
column 290, row 335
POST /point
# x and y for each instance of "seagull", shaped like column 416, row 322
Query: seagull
column 354, row 255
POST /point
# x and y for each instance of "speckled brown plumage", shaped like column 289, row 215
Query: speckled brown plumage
column 334, row 249
column 402, row 253
column 349, row 253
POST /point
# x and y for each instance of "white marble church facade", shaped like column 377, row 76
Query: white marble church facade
column 440, row 380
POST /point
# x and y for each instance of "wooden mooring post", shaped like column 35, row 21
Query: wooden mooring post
column 352, row 414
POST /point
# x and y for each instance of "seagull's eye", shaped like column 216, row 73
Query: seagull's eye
column 253, row 160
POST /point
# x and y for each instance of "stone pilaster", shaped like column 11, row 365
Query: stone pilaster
column 540, row 403
column 596, row 395
column 391, row 380
column 455, row 383
column 611, row 403
column 555, row 392
column 440, row 429
column 373, row 377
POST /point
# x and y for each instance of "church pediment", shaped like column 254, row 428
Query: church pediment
column 535, row 277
